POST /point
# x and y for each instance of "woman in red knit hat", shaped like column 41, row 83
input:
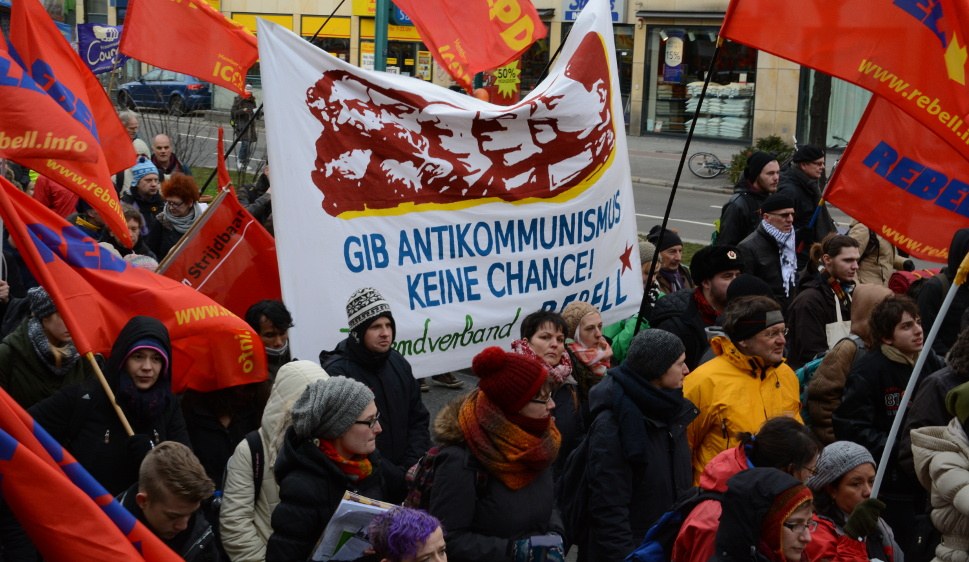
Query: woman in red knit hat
column 492, row 479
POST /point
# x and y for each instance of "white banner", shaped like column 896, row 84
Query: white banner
column 466, row 216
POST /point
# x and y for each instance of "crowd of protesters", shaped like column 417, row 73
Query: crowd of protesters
column 767, row 375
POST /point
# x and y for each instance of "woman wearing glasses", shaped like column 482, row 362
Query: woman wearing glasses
column 329, row 449
column 492, row 479
column 849, row 524
column 766, row 518
column 181, row 210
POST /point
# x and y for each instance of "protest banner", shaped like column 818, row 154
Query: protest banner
column 98, row 46
column 465, row 215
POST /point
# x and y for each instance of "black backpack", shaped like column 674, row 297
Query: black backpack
column 657, row 546
column 420, row 479
column 572, row 491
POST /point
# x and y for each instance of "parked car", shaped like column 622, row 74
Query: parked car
column 164, row 89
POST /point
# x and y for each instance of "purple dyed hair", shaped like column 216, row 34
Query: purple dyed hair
column 397, row 533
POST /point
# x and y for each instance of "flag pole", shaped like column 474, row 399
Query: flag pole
column 644, row 304
column 107, row 390
column 958, row 282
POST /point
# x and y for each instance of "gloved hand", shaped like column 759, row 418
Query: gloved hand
column 864, row 518
column 138, row 446
column 538, row 548
column 908, row 265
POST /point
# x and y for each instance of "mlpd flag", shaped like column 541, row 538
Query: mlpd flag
column 96, row 293
column 191, row 37
column 902, row 181
column 228, row 256
column 467, row 37
column 67, row 514
column 34, row 125
column 465, row 215
column 911, row 52
column 43, row 52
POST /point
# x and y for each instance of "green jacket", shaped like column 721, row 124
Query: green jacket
column 24, row 375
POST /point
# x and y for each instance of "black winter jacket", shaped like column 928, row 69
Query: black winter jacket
column 806, row 194
column 740, row 215
column 82, row 419
column 678, row 314
column 404, row 418
column 311, row 487
column 482, row 515
column 808, row 314
column 749, row 497
column 762, row 258
column 933, row 293
column 197, row 543
column 627, row 496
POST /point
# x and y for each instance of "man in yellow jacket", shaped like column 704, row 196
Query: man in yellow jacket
column 747, row 382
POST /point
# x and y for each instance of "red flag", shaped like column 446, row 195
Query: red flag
column 919, row 182
column 898, row 50
column 197, row 40
column 212, row 348
column 65, row 512
column 225, row 180
column 59, row 70
column 227, row 244
column 34, row 125
column 43, row 54
column 469, row 37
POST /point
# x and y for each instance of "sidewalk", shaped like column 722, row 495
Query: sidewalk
column 654, row 160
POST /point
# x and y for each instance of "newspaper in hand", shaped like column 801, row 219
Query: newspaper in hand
column 345, row 535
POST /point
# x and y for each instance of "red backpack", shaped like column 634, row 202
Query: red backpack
column 910, row 282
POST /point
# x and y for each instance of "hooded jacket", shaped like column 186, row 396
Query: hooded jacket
column 827, row 385
column 244, row 518
column 750, row 495
column 932, row 295
column 942, row 464
column 735, row 393
column 480, row 513
column 311, row 487
column 627, row 495
column 82, row 418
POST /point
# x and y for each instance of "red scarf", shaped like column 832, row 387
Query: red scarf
column 511, row 454
column 356, row 469
column 707, row 313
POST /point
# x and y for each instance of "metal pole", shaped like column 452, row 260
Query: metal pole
column 381, row 21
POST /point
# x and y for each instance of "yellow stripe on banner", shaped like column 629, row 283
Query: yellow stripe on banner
column 394, row 32
column 336, row 27
column 249, row 20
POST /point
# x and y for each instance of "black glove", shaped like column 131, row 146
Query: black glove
column 864, row 519
column 908, row 265
column 138, row 446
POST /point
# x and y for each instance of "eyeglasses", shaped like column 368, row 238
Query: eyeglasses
column 775, row 333
column 819, row 163
column 371, row 422
column 789, row 215
column 542, row 399
column 798, row 528
column 174, row 204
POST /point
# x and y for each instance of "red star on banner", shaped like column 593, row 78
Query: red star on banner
column 624, row 258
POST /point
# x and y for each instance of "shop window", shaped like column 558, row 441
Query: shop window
column 336, row 46
column 846, row 105
column 678, row 59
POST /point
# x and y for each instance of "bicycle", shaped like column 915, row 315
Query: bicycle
column 706, row 165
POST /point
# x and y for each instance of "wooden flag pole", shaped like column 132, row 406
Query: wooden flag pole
column 107, row 390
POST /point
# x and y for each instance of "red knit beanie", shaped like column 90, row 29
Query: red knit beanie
column 784, row 505
column 508, row 379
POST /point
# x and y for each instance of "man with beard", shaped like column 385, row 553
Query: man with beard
column 367, row 356
column 741, row 214
column 272, row 321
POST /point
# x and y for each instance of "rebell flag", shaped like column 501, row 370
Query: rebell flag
column 197, row 40
column 465, row 215
column 910, row 52
column 211, row 347
column 228, row 256
column 42, row 52
column 67, row 514
column 467, row 37
column 919, row 182
column 98, row 46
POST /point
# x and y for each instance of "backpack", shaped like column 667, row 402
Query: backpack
column 420, row 479
column 572, row 491
column 657, row 546
column 910, row 282
column 213, row 506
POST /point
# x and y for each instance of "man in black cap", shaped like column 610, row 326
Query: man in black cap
column 688, row 312
column 800, row 183
column 769, row 251
column 671, row 275
column 740, row 215
column 367, row 355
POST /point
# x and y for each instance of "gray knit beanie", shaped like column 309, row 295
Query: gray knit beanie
column 328, row 408
column 652, row 352
column 836, row 460
column 41, row 305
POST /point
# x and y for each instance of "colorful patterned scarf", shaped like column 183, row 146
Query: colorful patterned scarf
column 356, row 469
column 508, row 452
column 707, row 313
column 559, row 374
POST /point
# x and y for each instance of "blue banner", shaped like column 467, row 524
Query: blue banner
column 98, row 46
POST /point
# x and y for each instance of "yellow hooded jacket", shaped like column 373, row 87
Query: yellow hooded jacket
column 735, row 393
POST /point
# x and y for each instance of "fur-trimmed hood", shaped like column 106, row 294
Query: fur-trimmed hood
column 447, row 430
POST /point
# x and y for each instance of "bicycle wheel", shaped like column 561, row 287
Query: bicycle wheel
column 705, row 165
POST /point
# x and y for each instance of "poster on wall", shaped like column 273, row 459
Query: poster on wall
column 673, row 57
column 466, row 216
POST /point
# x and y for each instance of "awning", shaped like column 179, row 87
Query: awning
column 658, row 14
